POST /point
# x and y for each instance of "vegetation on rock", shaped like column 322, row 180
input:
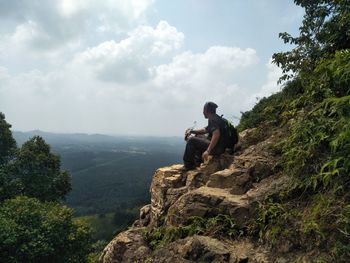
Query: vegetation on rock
column 314, row 212
column 220, row 225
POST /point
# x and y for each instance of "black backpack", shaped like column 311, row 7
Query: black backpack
column 231, row 135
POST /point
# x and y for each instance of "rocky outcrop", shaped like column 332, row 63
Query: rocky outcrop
column 208, row 202
column 128, row 246
column 231, row 185
column 207, row 249
column 170, row 183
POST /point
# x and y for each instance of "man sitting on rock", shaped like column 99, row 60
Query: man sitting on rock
column 198, row 148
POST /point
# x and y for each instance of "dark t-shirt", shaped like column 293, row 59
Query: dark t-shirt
column 217, row 123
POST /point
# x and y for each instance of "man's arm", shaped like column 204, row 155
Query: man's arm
column 188, row 132
column 214, row 140
column 199, row 131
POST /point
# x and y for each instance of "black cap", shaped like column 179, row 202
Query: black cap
column 210, row 106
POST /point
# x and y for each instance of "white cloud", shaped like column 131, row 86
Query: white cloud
column 129, row 60
column 193, row 78
column 41, row 25
column 270, row 86
column 4, row 78
column 170, row 98
column 107, row 66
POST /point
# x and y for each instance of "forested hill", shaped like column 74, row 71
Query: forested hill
column 109, row 173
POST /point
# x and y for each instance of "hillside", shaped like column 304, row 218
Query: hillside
column 109, row 173
column 239, row 208
column 206, row 214
column 284, row 195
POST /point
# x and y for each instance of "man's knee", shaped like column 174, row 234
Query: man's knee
column 197, row 143
column 192, row 140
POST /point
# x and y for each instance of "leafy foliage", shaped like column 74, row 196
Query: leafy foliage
column 35, row 172
column 7, row 142
column 31, row 228
column 325, row 29
column 31, row 231
column 314, row 211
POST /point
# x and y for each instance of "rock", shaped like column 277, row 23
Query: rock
column 231, row 185
column 241, row 185
column 207, row 249
column 194, row 179
column 169, row 183
column 194, row 249
column 127, row 246
column 207, row 201
column 165, row 178
column 217, row 163
column 145, row 216
column 230, row 178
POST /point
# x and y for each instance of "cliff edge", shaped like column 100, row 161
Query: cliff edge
column 208, row 214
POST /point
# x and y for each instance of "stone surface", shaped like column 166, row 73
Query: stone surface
column 207, row 249
column 164, row 178
column 207, row 201
column 229, row 178
column 127, row 246
column 169, row 183
column 145, row 217
column 194, row 249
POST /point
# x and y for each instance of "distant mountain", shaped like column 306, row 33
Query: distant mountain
column 96, row 142
column 59, row 138
column 109, row 173
column 76, row 138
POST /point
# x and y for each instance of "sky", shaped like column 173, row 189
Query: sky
column 137, row 67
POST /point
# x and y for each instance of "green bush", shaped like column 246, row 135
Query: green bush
column 314, row 211
column 273, row 108
column 31, row 231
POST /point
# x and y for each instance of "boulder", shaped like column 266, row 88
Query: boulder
column 169, row 183
column 194, row 249
column 128, row 246
column 164, row 179
column 145, row 217
column 207, row 201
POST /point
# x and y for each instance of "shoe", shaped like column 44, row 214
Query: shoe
column 187, row 168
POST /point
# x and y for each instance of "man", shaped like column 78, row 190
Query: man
column 199, row 148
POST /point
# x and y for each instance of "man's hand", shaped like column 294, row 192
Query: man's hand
column 187, row 134
column 205, row 156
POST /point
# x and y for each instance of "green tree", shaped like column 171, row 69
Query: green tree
column 7, row 143
column 34, row 226
column 32, row 231
column 35, row 172
column 324, row 30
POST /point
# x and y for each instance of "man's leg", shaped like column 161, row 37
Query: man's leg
column 194, row 145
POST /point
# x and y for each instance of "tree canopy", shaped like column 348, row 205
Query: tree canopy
column 7, row 142
column 32, row 231
column 325, row 29
column 34, row 226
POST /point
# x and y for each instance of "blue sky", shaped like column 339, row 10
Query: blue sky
column 138, row 67
column 250, row 23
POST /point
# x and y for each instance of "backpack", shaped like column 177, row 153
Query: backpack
column 231, row 135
